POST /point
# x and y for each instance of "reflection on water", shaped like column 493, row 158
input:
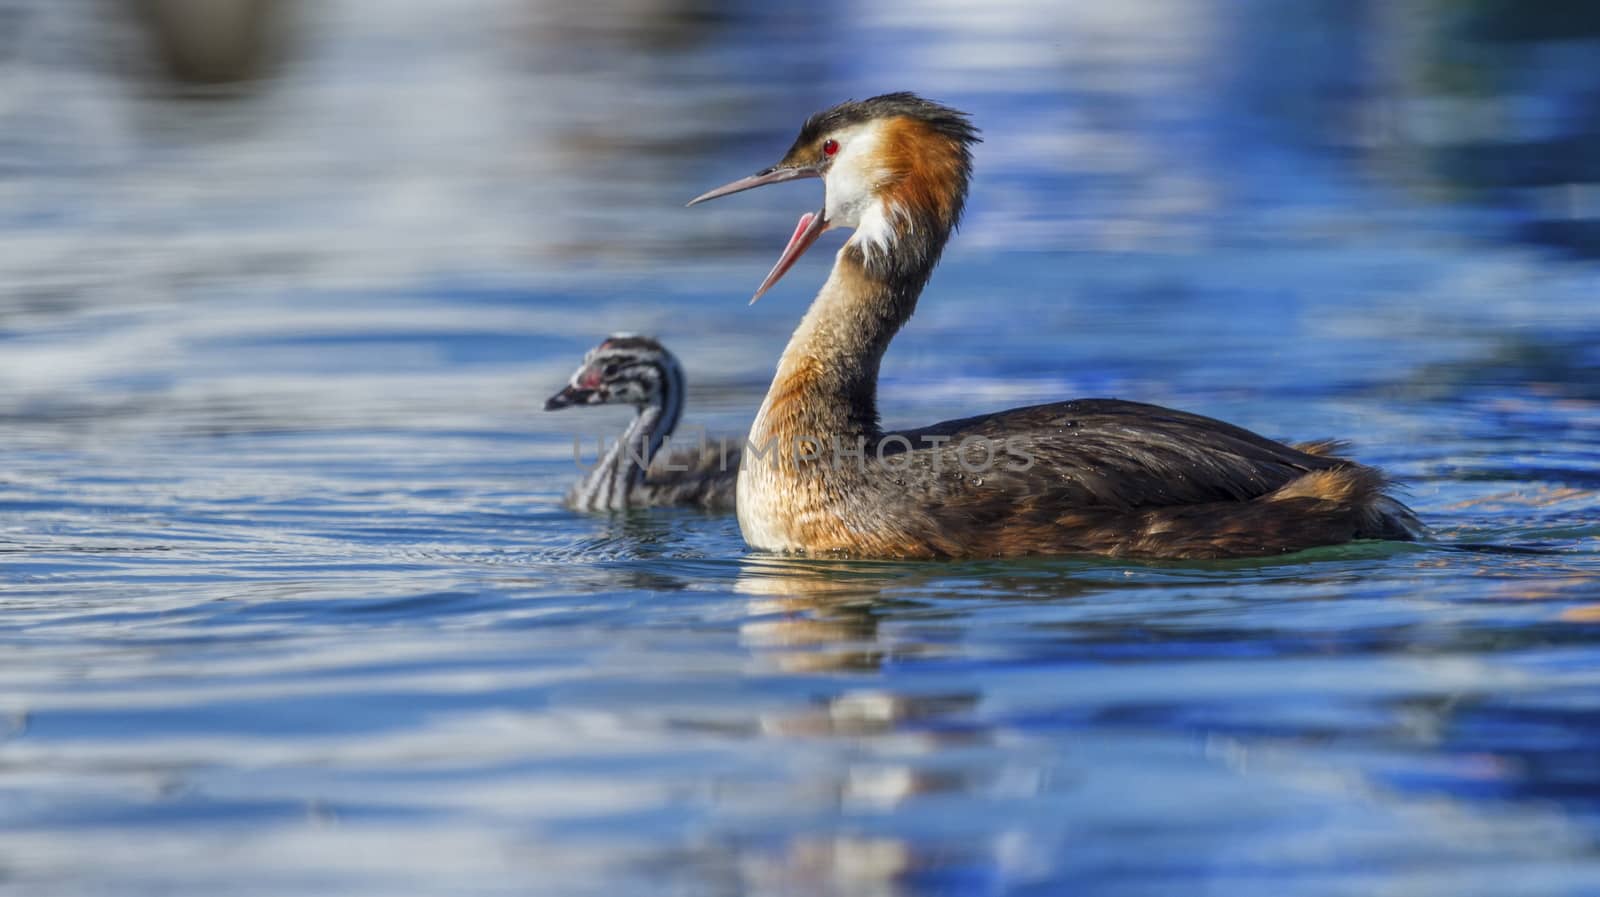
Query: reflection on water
column 1318, row 730
column 290, row 606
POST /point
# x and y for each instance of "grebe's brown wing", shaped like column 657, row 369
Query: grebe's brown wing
column 1131, row 480
column 1105, row 453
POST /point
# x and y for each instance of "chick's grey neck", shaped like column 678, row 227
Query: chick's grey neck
column 622, row 469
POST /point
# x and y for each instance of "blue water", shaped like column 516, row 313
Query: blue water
column 290, row 605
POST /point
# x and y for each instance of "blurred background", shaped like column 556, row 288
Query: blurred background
column 290, row 605
column 163, row 158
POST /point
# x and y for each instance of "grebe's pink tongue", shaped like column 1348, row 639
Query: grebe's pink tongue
column 811, row 226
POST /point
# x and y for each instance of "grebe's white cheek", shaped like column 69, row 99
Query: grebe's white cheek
column 849, row 195
column 852, row 180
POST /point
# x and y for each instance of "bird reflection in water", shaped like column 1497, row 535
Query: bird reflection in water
column 813, row 618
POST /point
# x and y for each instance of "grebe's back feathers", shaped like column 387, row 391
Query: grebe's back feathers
column 1123, row 478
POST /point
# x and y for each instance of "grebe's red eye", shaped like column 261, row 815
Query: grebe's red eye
column 830, row 146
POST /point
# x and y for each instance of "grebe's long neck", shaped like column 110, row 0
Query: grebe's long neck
column 826, row 385
column 822, row 408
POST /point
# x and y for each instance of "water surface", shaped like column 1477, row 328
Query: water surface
column 290, row 605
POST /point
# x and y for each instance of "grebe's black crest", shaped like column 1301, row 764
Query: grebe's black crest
column 952, row 123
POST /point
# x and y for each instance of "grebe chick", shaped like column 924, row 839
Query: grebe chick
column 636, row 370
column 1096, row 476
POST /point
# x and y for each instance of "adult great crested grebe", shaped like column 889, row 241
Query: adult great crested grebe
column 1097, row 476
column 636, row 370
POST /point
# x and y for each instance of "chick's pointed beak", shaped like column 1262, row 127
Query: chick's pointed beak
column 567, row 397
column 811, row 225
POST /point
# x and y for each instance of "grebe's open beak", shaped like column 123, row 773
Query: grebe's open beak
column 773, row 175
column 811, row 225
